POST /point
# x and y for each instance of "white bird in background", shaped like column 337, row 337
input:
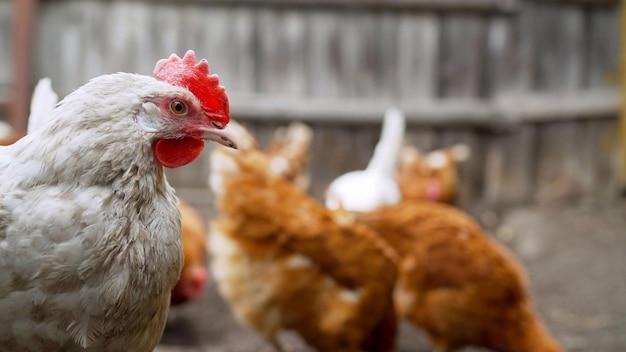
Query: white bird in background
column 42, row 103
column 366, row 190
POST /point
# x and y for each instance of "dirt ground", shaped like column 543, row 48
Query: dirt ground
column 575, row 257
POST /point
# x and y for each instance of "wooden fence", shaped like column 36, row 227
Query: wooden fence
column 526, row 84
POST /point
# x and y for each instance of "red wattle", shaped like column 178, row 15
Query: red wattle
column 174, row 153
column 433, row 189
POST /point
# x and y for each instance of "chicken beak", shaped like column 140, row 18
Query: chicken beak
column 224, row 136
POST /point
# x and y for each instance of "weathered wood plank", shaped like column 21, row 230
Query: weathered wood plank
column 557, row 106
column 425, row 139
column 451, row 112
column 242, row 53
column 209, row 32
column 463, row 42
column 386, row 55
column 165, row 31
column 417, row 56
column 264, row 133
column 223, row 35
column 126, row 39
column 95, row 50
column 510, row 167
column 323, row 51
column 557, row 176
column 558, row 37
column 60, row 37
column 503, row 6
column 5, row 46
column 602, row 157
column 364, row 142
column 358, row 61
column 578, row 159
column 602, row 48
column 334, row 154
column 509, row 56
column 282, row 55
column 585, row 3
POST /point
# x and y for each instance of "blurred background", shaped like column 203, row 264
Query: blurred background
column 531, row 86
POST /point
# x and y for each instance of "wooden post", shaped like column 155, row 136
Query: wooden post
column 622, row 114
column 22, row 40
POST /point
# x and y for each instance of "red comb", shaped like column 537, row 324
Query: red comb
column 195, row 77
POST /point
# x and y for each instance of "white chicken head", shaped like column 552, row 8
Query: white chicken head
column 199, row 111
column 173, row 114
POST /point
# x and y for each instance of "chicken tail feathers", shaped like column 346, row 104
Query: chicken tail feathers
column 387, row 151
column 41, row 104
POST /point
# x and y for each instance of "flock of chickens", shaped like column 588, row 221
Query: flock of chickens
column 91, row 255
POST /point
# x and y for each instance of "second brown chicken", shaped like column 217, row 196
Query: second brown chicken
column 284, row 262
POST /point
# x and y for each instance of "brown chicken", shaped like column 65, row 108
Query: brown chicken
column 456, row 283
column 193, row 276
column 288, row 152
column 433, row 175
column 283, row 261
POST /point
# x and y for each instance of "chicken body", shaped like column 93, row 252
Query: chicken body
column 193, row 274
column 285, row 262
column 288, row 152
column 456, row 283
column 89, row 229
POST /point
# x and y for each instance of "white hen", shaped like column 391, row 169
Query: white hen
column 366, row 190
column 90, row 235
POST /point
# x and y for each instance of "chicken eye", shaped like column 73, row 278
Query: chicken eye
column 178, row 107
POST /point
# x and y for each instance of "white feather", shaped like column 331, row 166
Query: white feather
column 42, row 103
column 385, row 158
column 366, row 190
